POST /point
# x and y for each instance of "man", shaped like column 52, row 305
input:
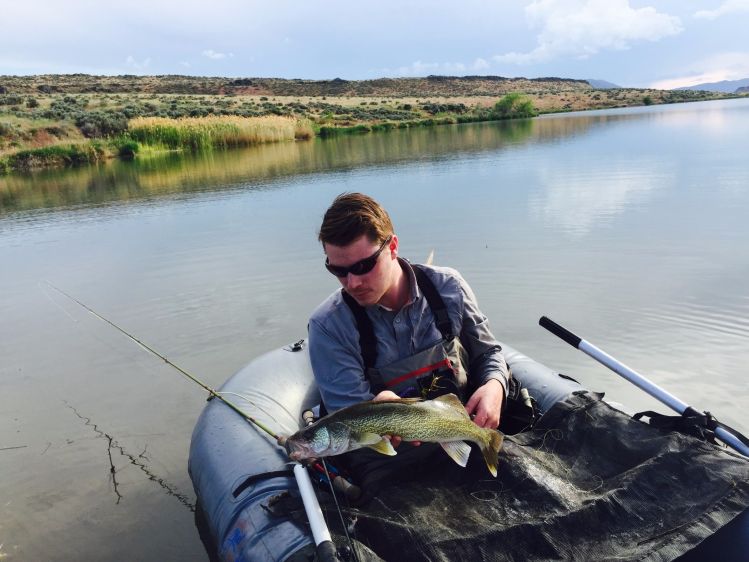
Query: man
column 397, row 329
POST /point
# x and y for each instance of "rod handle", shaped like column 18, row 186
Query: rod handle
column 559, row 331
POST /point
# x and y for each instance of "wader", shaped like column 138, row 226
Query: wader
column 436, row 370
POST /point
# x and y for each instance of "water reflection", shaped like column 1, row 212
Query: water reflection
column 577, row 200
column 169, row 174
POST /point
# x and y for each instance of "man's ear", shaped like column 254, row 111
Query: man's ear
column 393, row 246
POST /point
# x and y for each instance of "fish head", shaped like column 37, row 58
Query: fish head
column 317, row 441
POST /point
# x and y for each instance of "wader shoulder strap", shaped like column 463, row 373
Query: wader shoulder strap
column 439, row 310
column 367, row 341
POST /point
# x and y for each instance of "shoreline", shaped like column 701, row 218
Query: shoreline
column 65, row 142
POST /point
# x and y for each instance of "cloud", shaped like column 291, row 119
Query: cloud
column 211, row 54
column 130, row 62
column 727, row 7
column 581, row 28
column 723, row 66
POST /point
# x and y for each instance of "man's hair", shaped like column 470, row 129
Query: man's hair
column 352, row 215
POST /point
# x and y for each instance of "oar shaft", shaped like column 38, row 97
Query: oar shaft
column 635, row 378
column 320, row 532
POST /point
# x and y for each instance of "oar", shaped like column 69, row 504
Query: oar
column 738, row 442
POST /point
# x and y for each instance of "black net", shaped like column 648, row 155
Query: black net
column 587, row 483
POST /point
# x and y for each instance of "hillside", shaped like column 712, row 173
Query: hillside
column 388, row 87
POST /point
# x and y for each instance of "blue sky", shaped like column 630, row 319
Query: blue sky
column 632, row 43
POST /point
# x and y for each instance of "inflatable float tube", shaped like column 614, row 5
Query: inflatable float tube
column 236, row 469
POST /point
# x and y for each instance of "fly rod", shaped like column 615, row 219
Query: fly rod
column 194, row 379
column 321, row 535
column 729, row 436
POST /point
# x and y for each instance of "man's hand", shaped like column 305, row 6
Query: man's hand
column 485, row 405
column 395, row 440
column 386, row 395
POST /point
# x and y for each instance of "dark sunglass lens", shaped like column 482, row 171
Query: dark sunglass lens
column 364, row 266
column 336, row 270
column 341, row 272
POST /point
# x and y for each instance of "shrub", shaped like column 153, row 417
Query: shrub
column 125, row 147
column 56, row 155
column 513, row 105
column 101, row 124
column 10, row 99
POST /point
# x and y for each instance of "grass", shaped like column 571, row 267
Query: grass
column 200, row 133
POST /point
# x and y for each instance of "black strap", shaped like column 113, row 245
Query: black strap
column 261, row 476
column 692, row 422
column 439, row 310
column 367, row 341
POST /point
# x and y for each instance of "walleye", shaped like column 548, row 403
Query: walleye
column 443, row 420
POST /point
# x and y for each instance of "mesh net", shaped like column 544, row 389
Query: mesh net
column 588, row 483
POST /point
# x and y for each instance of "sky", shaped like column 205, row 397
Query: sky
column 648, row 43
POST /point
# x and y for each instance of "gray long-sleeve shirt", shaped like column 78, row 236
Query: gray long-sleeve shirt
column 334, row 338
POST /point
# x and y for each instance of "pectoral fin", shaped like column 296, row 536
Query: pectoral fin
column 383, row 447
column 458, row 451
column 368, row 439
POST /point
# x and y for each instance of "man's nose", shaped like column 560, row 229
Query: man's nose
column 352, row 281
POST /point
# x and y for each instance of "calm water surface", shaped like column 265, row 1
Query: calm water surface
column 627, row 226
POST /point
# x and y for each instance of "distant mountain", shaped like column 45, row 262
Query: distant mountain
column 726, row 86
column 742, row 90
column 601, row 84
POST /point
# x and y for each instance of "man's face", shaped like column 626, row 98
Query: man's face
column 369, row 288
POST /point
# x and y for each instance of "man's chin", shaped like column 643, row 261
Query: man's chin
column 363, row 299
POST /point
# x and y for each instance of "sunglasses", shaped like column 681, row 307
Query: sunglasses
column 361, row 267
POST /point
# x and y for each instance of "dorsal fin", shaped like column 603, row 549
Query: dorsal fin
column 452, row 402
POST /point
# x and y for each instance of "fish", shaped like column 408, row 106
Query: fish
column 443, row 420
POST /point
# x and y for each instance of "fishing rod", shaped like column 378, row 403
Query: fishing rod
column 728, row 435
column 320, row 533
column 194, row 379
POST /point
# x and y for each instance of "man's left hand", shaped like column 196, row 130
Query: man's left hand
column 485, row 405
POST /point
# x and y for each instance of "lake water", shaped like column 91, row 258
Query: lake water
column 630, row 227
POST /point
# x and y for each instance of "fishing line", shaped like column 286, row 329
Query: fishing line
column 340, row 512
column 280, row 440
column 53, row 301
column 197, row 381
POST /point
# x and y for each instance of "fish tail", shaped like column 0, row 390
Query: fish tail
column 490, row 449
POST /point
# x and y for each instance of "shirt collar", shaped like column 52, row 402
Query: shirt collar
column 414, row 292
